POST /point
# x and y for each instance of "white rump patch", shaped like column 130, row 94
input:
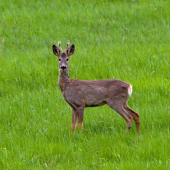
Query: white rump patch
column 130, row 90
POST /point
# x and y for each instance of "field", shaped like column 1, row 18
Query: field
column 125, row 39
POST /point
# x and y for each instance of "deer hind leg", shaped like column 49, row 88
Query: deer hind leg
column 134, row 115
column 120, row 109
column 74, row 120
column 80, row 114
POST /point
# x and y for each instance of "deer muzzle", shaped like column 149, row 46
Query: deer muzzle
column 63, row 67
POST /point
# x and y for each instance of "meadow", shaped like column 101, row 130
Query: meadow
column 122, row 39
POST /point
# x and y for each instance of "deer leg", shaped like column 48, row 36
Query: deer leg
column 134, row 115
column 80, row 113
column 74, row 120
column 119, row 109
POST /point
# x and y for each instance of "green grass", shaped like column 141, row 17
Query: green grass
column 127, row 40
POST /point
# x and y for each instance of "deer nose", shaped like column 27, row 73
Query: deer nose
column 63, row 67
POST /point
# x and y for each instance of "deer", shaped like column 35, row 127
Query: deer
column 90, row 93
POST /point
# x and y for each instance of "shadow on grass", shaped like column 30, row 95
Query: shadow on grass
column 101, row 127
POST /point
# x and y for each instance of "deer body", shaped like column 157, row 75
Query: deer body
column 94, row 93
column 81, row 93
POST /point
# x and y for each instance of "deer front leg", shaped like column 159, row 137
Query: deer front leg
column 74, row 120
column 80, row 113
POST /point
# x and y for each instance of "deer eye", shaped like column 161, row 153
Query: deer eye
column 59, row 59
column 67, row 59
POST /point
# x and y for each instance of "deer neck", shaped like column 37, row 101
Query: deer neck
column 64, row 79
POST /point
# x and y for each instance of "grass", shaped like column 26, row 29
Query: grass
column 127, row 40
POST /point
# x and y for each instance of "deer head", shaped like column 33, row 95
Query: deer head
column 63, row 57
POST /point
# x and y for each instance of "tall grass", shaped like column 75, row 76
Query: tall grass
column 127, row 40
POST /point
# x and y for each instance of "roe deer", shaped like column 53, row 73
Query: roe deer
column 81, row 93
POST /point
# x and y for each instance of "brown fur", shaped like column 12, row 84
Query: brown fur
column 81, row 93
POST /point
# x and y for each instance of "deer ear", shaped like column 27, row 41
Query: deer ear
column 56, row 51
column 70, row 50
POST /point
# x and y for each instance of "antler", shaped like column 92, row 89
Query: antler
column 59, row 46
column 68, row 43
